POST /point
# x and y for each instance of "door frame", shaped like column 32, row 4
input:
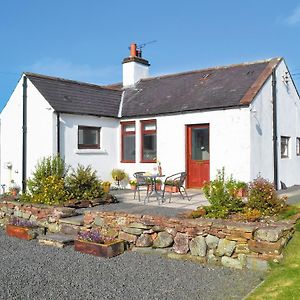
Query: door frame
column 187, row 126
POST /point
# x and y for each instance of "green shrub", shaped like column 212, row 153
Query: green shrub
column 52, row 191
column 222, row 194
column 47, row 185
column 83, row 183
column 262, row 196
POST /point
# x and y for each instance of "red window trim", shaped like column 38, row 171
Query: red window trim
column 123, row 133
column 143, row 122
column 88, row 146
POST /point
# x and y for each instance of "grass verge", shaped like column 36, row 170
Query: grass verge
column 283, row 281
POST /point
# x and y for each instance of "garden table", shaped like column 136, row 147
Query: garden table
column 153, row 192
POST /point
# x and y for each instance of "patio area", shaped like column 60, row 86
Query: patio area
column 177, row 206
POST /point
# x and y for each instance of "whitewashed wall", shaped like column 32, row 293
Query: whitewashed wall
column 261, row 115
column 102, row 160
column 288, row 124
column 229, row 142
column 133, row 72
column 11, row 138
column 39, row 132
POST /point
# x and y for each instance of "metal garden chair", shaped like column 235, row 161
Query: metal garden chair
column 175, row 183
column 141, row 181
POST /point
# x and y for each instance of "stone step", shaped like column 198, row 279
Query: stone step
column 56, row 240
column 77, row 220
column 69, row 229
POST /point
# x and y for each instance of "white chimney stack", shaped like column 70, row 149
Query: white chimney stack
column 135, row 67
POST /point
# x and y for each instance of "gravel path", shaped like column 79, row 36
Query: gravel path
column 31, row 271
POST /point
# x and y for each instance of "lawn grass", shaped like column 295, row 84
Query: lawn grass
column 283, row 281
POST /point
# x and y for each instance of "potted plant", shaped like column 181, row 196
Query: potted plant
column 158, row 184
column 118, row 175
column 94, row 243
column 106, row 186
column 23, row 229
column 241, row 189
column 14, row 189
column 132, row 183
column 171, row 186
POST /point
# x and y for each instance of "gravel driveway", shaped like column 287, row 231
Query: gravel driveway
column 31, row 271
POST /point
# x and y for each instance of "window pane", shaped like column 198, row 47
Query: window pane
column 149, row 147
column 129, row 128
column 284, row 146
column 89, row 137
column 150, row 126
column 200, row 144
column 129, row 147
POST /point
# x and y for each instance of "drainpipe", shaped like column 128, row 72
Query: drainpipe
column 24, row 129
column 58, row 132
column 275, row 137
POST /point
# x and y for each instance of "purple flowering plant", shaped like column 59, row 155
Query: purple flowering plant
column 22, row 222
column 94, row 236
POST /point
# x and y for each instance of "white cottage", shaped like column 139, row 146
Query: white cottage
column 243, row 117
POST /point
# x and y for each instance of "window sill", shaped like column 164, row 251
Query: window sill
column 90, row 151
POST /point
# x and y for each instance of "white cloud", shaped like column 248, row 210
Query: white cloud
column 68, row 70
column 294, row 18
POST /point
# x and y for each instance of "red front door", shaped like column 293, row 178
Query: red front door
column 197, row 156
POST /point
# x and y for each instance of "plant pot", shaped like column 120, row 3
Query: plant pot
column 106, row 188
column 133, row 187
column 171, row 189
column 241, row 193
column 23, row 232
column 104, row 250
column 158, row 186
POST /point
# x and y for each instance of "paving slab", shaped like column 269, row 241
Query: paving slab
column 77, row 220
column 56, row 240
column 176, row 208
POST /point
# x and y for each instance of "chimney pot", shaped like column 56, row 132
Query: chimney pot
column 135, row 67
column 133, row 49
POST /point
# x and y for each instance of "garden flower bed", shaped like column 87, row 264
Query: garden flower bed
column 23, row 229
column 92, row 242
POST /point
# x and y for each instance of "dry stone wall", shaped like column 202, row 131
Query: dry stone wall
column 232, row 244
column 44, row 215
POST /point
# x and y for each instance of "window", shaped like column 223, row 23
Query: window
column 128, row 142
column 148, row 142
column 285, row 146
column 88, row 137
column 298, row 146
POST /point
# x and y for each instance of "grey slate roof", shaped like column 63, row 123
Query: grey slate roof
column 67, row 96
column 214, row 88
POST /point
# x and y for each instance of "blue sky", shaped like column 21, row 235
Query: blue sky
column 87, row 40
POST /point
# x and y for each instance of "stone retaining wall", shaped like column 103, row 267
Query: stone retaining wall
column 44, row 215
column 232, row 244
